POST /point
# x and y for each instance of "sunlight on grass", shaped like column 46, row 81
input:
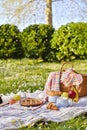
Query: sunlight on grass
column 26, row 74
column 29, row 74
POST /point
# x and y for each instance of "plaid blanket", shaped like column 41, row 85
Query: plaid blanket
column 16, row 116
column 69, row 77
column 52, row 82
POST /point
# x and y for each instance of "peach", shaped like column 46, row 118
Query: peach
column 12, row 101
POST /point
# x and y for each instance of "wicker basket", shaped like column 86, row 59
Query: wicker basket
column 82, row 89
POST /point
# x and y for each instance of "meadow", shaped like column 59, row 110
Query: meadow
column 30, row 75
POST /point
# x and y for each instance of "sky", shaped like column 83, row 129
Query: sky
column 69, row 12
column 64, row 11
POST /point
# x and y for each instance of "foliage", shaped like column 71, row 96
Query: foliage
column 10, row 44
column 70, row 42
column 36, row 41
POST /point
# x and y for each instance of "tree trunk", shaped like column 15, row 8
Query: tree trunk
column 49, row 12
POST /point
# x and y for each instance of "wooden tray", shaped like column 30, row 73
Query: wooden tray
column 30, row 102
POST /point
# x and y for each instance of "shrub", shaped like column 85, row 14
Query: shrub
column 70, row 42
column 10, row 43
column 36, row 41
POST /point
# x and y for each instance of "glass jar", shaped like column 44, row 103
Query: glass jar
column 1, row 100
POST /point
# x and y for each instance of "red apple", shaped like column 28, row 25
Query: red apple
column 71, row 94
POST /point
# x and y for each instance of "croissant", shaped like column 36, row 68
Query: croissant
column 52, row 106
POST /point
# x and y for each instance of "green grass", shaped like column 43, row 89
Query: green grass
column 30, row 75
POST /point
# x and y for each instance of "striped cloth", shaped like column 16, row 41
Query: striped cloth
column 16, row 116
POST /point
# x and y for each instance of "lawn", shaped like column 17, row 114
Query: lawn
column 30, row 75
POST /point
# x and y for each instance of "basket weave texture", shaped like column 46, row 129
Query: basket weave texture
column 82, row 88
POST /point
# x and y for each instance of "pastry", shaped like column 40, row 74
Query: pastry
column 54, row 93
column 30, row 102
column 52, row 106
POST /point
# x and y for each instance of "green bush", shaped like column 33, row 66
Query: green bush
column 70, row 42
column 10, row 43
column 36, row 41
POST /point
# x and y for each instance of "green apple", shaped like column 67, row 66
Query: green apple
column 64, row 94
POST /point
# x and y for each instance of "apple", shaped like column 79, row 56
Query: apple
column 71, row 94
column 64, row 94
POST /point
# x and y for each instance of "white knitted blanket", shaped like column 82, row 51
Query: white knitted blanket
column 16, row 116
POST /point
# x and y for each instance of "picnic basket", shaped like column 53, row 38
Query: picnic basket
column 82, row 89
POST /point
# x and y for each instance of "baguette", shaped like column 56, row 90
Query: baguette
column 54, row 93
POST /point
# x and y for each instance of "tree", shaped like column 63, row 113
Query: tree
column 24, row 10
column 49, row 12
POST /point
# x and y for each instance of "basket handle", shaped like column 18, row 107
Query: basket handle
column 61, row 70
